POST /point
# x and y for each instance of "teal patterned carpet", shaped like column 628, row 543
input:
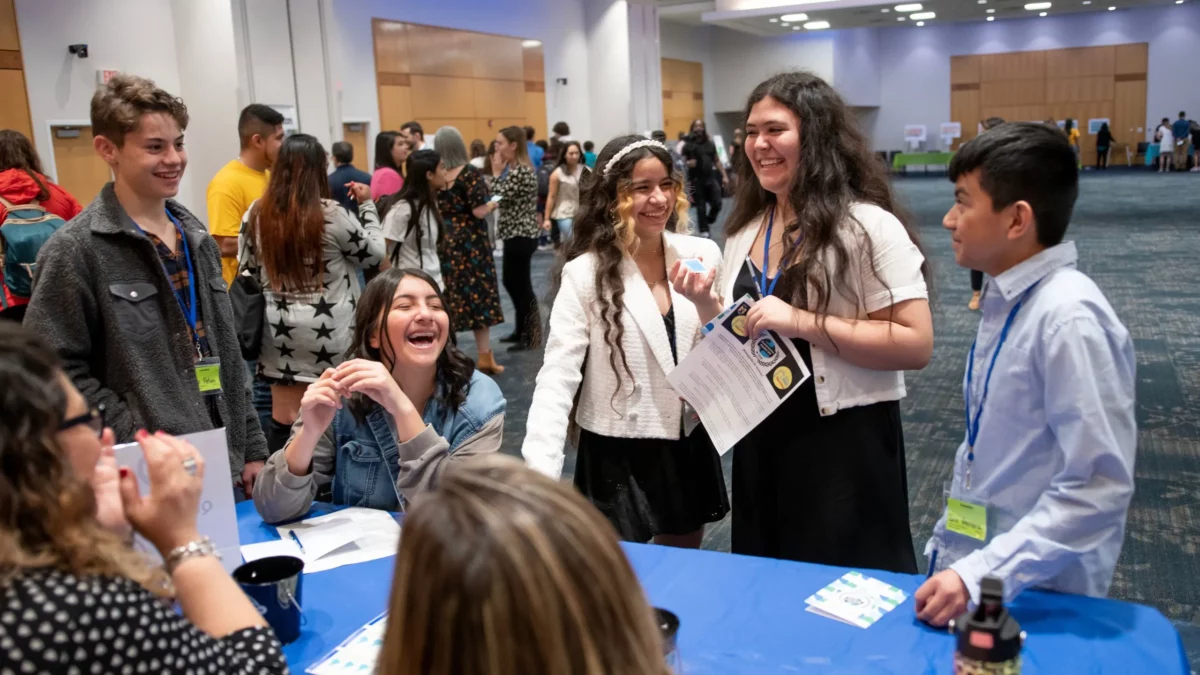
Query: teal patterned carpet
column 1139, row 237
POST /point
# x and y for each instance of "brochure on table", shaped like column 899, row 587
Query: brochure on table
column 357, row 653
column 217, row 519
column 734, row 381
column 343, row 537
column 855, row 599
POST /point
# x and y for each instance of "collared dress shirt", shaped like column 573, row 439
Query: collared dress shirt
column 1057, row 435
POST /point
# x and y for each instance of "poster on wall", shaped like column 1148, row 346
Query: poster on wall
column 1094, row 125
column 291, row 123
column 951, row 130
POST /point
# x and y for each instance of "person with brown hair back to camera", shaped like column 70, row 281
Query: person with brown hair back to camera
column 66, row 517
column 498, row 575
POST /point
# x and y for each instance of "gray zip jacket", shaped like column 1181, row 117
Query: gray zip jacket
column 102, row 299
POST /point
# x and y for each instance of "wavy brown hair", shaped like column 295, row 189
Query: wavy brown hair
column 504, row 571
column 288, row 224
column 47, row 513
column 604, row 227
column 16, row 152
column 836, row 170
column 517, row 135
column 454, row 368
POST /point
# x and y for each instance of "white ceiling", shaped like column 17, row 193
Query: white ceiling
column 857, row 14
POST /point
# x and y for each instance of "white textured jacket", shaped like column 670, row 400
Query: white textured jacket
column 646, row 406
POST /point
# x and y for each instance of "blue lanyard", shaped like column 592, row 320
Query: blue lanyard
column 189, row 312
column 762, row 285
column 973, row 429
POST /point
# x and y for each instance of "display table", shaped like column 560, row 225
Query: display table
column 903, row 160
column 746, row 615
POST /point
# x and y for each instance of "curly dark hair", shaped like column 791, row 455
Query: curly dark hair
column 47, row 513
column 837, row 169
column 604, row 227
column 454, row 368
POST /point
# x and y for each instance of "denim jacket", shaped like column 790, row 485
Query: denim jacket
column 369, row 467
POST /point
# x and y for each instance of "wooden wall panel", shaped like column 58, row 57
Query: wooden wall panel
column 80, row 170
column 533, row 64
column 496, row 57
column 434, row 96
column 14, row 107
column 1129, row 112
column 498, row 98
column 965, row 69
column 9, row 38
column 439, row 51
column 535, row 111
column 395, row 107
column 391, row 46
column 1079, row 62
column 1132, row 59
column 1015, row 113
column 1012, row 92
column 357, row 135
column 683, row 95
column 1080, row 89
column 964, row 107
column 1013, row 66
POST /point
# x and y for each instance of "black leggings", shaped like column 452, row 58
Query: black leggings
column 976, row 280
column 518, row 281
column 706, row 194
column 1101, row 158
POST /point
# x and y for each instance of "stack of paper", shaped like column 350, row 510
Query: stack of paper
column 856, row 600
column 357, row 654
column 344, row 537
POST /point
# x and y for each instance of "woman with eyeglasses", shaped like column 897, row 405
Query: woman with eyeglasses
column 66, row 516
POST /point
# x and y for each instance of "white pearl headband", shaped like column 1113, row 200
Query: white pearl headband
column 628, row 149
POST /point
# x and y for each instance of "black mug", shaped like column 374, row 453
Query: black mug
column 273, row 585
column 668, row 626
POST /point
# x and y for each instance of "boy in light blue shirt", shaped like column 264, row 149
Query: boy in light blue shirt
column 1043, row 480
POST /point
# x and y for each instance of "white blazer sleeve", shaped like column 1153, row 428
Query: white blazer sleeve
column 557, row 381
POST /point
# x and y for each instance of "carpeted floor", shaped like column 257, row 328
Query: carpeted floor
column 1139, row 238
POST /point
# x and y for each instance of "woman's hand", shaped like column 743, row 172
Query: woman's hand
column 359, row 191
column 498, row 164
column 106, row 484
column 774, row 314
column 372, row 379
column 320, row 403
column 546, row 225
column 698, row 288
column 166, row 516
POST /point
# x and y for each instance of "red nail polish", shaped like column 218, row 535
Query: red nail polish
column 141, row 433
column 124, row 472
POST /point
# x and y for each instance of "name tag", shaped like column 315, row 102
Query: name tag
column 967, row 519
column 208, row 374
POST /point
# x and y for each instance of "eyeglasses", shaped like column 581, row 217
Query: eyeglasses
column 94, row 418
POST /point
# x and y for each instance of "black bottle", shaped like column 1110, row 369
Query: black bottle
column 989, row 639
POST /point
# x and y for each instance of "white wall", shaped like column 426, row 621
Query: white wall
column 267, row 43
column 856, row 66
column 559, row 24
column 61, row 86
column 742, row 61
column 607, row 24
column 208, row 77
column 645, row 60
column 313, row 97
column 915, row 62
column 688, row 43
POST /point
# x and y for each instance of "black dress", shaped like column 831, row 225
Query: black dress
column 651, row 486
column 828, row 490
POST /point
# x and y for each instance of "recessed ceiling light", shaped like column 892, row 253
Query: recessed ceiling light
column 991, row 18
column 983, row 2
column 1042, row 13
column 920, row 23
column 1179, row 2
column 817, row 25
column 785, row 24
column 794, row 17
column 885, row 10
column 531, row 43
column 795, row 27
column 1087, row 2
column 1035, row 6
column 923, row 15
column 773, row 20
column 900, row 18
column 991, row 11
column 912, row 7
column 1111, row 8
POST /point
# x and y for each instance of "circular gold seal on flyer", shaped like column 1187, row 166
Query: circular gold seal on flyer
column 739, row 326
column 782, row 378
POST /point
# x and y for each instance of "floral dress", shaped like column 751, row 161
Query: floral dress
column 466, row 254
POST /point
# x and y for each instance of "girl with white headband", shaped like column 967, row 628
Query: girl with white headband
column 618, row 326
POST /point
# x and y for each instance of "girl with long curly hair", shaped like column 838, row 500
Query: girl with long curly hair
column 617, row 311
column 382, row 425
column 818, row 239
column 67, row 513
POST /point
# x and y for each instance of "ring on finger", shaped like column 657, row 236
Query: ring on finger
column 189, row 465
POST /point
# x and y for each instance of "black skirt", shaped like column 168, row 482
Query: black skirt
column 647, row 486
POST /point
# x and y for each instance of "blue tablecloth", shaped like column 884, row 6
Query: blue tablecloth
column 741, row 614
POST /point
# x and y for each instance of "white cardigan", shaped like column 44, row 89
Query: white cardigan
column 841, row 384
column 646, row 406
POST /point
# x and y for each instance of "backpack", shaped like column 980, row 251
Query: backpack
column 24, row 230
column 543, row 179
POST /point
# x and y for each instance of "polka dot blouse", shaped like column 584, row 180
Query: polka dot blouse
column 54, row 622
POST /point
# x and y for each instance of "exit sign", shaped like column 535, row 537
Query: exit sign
column 104, row 75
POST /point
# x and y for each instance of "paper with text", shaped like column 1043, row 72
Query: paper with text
column 734, row 381
column 343, row 537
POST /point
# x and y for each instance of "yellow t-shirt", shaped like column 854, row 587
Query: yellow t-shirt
column 1074, row 136
column 230, row 193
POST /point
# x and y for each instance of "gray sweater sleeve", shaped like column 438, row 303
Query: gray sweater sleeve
column 426, row 455
column 280, row 495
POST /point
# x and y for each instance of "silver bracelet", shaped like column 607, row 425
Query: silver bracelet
column 201, row 547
